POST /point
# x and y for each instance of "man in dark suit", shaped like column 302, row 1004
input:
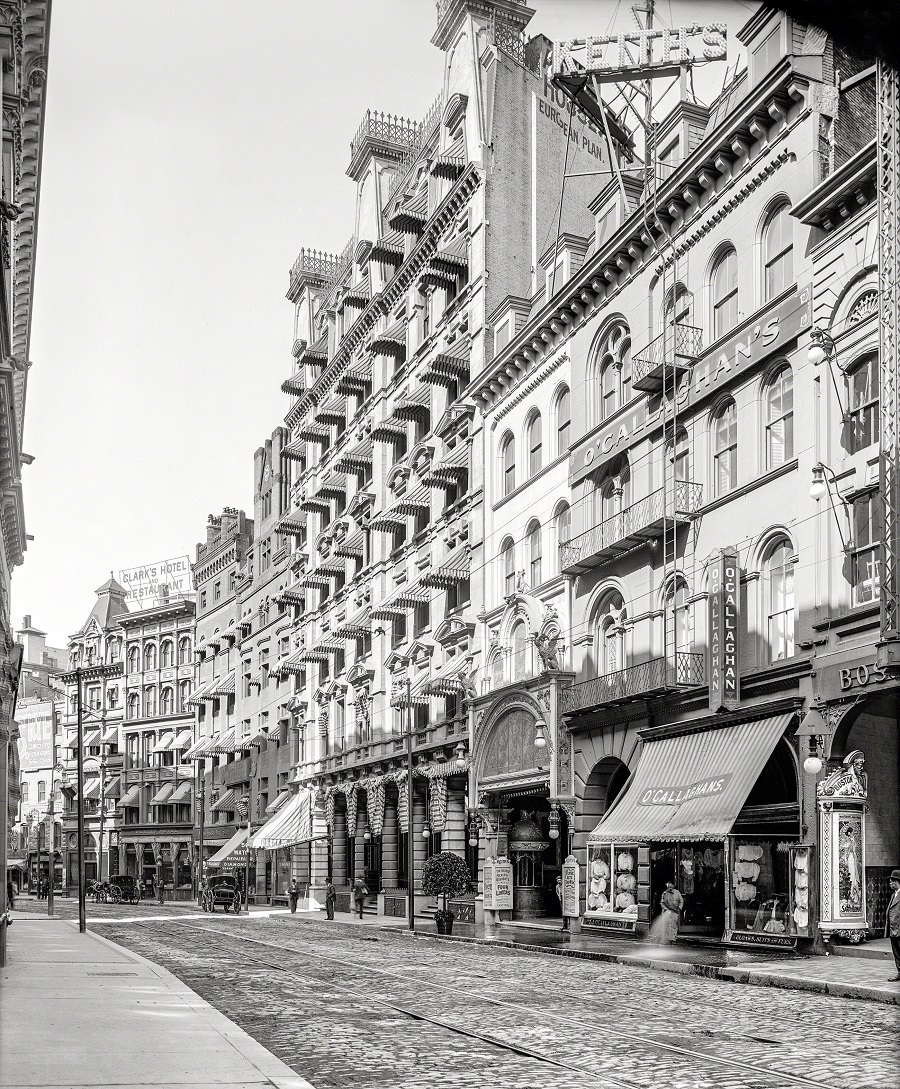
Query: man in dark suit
column 892, row 924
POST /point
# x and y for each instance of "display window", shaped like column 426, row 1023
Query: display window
column 612, row 890
column 768, row 890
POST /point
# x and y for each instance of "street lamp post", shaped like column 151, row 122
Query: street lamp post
column 82, row 906
column 200, row 803
column 245, row 807
column 410, row 843
column 51, row 854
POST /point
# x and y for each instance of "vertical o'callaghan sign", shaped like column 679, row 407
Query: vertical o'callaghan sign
column 724, row 616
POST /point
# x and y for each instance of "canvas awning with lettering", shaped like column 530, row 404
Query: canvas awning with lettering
column 692, row 786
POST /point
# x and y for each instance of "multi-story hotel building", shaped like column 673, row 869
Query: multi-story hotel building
column 666, row 598
column 24, row 34
column 154, row 794
column 453, row 216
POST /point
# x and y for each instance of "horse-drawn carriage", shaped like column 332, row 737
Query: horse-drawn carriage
column 222, row 889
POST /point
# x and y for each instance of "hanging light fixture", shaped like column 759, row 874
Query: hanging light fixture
column 540, row 738
column 554, row 821
column 473, row 832
column 367, row 834
column 426, row 830
column 818, row 489
column 460, row 756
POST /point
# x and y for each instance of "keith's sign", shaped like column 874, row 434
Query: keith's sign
column 747, row 348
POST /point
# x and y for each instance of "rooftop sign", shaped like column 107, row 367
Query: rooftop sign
column 143, row 584
column 639, row 53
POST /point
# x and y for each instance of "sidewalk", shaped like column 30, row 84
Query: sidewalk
column 841, row 976
column 77, row 1011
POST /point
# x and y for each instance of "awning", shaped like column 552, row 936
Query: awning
column 221, row 744
column 113, row 789
column 110, row 736
column 165, row 742
column 452, row 678
column 197, row 696
column 198, row 749
column 91, row 738
column 183, row 739
column 237, row 840
column 92, row 789
column 12, row 863
column 280, row 798
column 692, row 786
column 226, row 801
column 290, row 826
column 181, row 793
column 163, row 795
column 224, row 687
column 451, row 570
column 132, row 796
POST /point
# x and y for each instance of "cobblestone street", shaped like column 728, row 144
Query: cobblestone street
column 339, row 1004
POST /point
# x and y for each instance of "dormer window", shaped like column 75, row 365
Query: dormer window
column 503, row 332
column 557, row 274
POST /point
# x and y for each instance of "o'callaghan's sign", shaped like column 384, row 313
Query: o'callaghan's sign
column 747, row 348
column 724, row 609
column 675, row 795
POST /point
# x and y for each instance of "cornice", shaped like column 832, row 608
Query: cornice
column 845, row 183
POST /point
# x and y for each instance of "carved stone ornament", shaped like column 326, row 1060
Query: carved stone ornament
column 848, row 781
column 548, row 649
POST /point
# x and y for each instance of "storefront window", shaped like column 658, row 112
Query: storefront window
column 761, row 898
column 612, row 888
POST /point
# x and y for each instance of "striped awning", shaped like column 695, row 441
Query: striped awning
column 132, row 797
column 91, row 738
column 199, row 693
column 290, row 596
column 293, row 524
column 113, row 789
column 165, row 742
column 237, row 840
column 110, row 736
column 414, row 405
column 293, row 663
column 357, row 627
column 228, row 800
column 357, row 458
column 448, row 471
column 450, row 678
column 352, row 545
column 403, row 599
column 162, row 796
column 415, row 696
column 182, row 739
column 222, row 688
column 181, row 793
column 280, row 798
column 198, row 750
column 692, row 786
column 453, row 569
column 221, row 744
column 291, row 825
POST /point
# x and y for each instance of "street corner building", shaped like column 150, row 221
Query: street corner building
column 688, row 650
column 24, row 38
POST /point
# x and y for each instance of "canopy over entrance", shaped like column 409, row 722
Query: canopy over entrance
column 237, row 840
column 292, row 824
column 692, row 786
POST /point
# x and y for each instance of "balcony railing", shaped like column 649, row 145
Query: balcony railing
column 385, row 127
column 680, row 670
column 667, row 357
column 642, row 521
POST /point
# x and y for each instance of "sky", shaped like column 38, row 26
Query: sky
column 191, row 148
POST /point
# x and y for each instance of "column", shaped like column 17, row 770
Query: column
column 389, row 846
column 420, row 847
column 317, row 861
column 359, row 846
column 454, row 837
column 339, row 848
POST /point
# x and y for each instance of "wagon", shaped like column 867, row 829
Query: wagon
column 129, row 887
column 222, row 889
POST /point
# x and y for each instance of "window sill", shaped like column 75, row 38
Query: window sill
column 531, row 480
column 750, row 486
column 857, row 617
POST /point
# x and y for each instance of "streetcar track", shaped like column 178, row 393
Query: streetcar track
column 631, row 1037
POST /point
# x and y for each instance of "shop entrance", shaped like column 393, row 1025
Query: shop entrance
column 698, row 871
column 537, row 855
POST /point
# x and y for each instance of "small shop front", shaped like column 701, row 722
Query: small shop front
column 713, row 813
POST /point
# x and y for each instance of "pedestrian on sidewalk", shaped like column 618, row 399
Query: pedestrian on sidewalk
column 330, row 897
column 559, row 896
column 10, row 894
column 294, row 895
column 892, row 923
column 664, row 930
column 360, row 892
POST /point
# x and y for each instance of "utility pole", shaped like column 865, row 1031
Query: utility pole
column 410, row 842
column 82, row 907
column 51, row 854
column 200, row 801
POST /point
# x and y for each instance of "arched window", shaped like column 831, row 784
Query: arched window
column 679, row 308
column 612, row 371
column 779, row 590
column 149, row 657
column 167, row 654
column 534, row 547
column 42, row 790
column 534, row 444
column 778, row 252
column 167, row 701
column 780, row 418
column 724, row 293
column 184, row 650
column 519, row 651
column 184, row 691
column 149, row 701
column 610, row 636
column 114, row 649
column 134, row 705
column 611, row 498
column 725, row 448
column 863, row 428
column 611, row 387
column 507, row 464
column 563, row 420
column 134, row 660
column 563, row 524
column 24, row 794
column 677, row 619
column 508, row 566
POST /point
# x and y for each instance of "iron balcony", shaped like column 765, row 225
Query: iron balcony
column 679, row 670
column 641, row 522
column 666, row 358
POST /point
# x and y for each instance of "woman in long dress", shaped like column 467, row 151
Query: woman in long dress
column 664, row 929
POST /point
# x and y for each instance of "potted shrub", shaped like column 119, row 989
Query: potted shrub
column 445, row 874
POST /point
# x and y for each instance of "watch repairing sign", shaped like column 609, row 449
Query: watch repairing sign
column 146, row 586
column 724, row 615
